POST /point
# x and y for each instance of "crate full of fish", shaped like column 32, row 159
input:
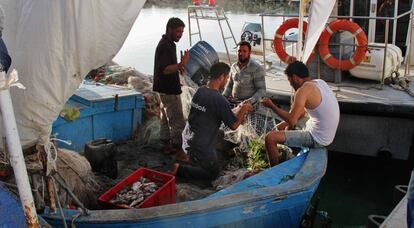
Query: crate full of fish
column 143, row 188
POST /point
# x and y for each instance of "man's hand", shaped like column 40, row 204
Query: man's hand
column 184, row 59
column 267, row 102
column 246, row 106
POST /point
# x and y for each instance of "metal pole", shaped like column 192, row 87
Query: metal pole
column 198, row 23
column 351, row 9
column 394, row 26
column 300, row 27
column 409, row 46
column 263, row 42
column 189, row 25
column 16, row 156
column 228, row 25
column 387, row 25
column 222, row 35
column 372, row 22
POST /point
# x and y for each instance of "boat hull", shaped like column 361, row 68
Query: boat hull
column 277, row 197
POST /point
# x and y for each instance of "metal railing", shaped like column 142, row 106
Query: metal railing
column 386, row 35
column 205, row 12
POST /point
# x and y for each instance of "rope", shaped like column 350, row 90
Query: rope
column 400, row 83
column 58, row 202
column 74, row 197
column 73, row 225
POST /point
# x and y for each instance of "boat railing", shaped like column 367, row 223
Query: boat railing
column 342, row 45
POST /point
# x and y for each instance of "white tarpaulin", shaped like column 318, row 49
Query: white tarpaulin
column 53, row 45
column 318, row 16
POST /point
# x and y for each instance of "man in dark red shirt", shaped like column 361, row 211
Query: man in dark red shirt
column 167, row 84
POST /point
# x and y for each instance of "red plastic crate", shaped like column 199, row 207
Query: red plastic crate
column 166, row 194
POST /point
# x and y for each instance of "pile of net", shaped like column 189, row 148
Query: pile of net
column 72, row 169
column 149, row 131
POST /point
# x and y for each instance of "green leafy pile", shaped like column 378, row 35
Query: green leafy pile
column 257, row 156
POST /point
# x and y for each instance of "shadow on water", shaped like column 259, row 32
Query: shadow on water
column 357, row 186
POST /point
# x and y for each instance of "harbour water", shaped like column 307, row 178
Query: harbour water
column 139, row 47
column 353, row 187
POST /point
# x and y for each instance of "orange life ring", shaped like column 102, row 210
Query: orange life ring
column 278, row 39
column 361, row 43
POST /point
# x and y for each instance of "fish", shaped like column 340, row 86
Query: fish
column 132, row 195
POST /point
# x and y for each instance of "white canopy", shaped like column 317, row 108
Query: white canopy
column 318, row 17
column 53, row 45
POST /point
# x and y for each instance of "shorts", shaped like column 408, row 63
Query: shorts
column 300, row 138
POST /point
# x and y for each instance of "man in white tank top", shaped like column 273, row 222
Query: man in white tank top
column 311, row 96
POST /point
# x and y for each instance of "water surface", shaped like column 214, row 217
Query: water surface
column 139, row 47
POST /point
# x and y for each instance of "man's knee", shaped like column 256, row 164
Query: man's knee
column 275, row 137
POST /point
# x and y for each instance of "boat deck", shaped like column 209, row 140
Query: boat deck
column 365, row 96
column 349, row 90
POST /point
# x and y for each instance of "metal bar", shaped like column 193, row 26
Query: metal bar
column 208, row 18
column 387, row 25
column 224, row 40
column 202, row 7
column 300, row 28
column 198, row 26
column 189, row 25
column 394, row 26
column 351, row 9
column 409, row 47
column 372, row 22
column 334, row 43
column 16, row 156
column 228, row 24
column 263, row 42
column 404, row 14
column 343, row 17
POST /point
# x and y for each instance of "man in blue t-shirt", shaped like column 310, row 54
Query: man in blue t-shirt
column 208, row 110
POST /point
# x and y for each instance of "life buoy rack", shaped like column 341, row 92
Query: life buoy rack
column 278, row 39
column 361, row 44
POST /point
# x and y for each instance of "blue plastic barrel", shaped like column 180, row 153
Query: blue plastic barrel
column 202, row 57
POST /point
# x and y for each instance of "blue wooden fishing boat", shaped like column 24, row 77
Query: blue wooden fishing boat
column 276, row 197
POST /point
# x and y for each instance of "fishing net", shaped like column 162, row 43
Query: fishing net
column 72, row 169
column 257, row 124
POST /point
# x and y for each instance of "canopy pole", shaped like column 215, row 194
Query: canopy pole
column 300, row 27
column 16, row 156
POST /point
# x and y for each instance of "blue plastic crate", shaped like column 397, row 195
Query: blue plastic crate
column 105, row 112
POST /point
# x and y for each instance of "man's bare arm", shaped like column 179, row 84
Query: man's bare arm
column 282, row 126
column 241, row 113
column 229, row 87
column 297, row 110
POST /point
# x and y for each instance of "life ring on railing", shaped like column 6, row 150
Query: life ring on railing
column 361, row 43
column 278, row 39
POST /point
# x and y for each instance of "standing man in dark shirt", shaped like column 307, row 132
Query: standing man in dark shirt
column 167, row 84
column 208, row 110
